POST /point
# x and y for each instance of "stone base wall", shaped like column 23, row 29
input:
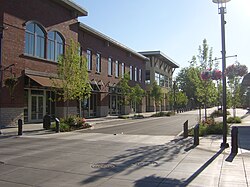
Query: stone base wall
column 10, row 116
column 102, row 111
column 62, row 111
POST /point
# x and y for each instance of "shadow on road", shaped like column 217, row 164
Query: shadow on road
column 146, row 156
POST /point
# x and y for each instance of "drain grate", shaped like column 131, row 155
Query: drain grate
column 103, row 165
column 146, row 163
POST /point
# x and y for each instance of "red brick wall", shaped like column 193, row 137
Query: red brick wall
column 16, row 13
column 98, row 45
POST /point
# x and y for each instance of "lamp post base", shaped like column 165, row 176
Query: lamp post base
column 224, row 145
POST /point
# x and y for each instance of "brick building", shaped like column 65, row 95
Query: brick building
column 33, row 34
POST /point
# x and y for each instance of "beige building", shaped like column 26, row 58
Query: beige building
column 159, row 68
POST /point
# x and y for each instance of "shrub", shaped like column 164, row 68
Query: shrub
column 71, row 123
column 218, row 113
column 205, row 129
column 161, row 114
column 123, row 116
column 138, row 116
column 234, row 120
column 63, row 127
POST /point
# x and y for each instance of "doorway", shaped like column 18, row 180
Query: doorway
column 36, row 108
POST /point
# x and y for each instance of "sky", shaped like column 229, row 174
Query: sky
column 176, row 27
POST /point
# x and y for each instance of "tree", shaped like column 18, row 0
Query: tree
column 199, row 91
column 234, row 73
column 125, row 89
column 72, row 71
column 136, row 95
column 181, row 99
column 156, row 94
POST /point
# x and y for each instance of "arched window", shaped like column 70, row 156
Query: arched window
column 34, row 40
column 55, row 45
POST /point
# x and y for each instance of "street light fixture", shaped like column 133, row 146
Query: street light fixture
column 222, row 11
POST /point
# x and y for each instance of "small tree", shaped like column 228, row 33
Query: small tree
column 72, row 71
column 125, row 89
column 181, row 99
column 156, row 94
column 234, row 73
column 136, row 95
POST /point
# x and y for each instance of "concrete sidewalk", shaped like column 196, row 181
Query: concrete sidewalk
column 77, row 159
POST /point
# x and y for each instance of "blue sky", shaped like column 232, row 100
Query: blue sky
column 175, row 27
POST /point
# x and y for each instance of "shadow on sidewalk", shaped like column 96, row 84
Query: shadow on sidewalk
column 143, row 157
column 175, row 182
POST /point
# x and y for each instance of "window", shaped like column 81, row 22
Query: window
column 116, row 68
column 98, row 62
column 162, row 81
column 110, row 66
column 135, row 74
column 140, row 75
column 131, row 72
column 34, row 40
column 123, row 70
column 55, row 45
column 166, row 81
column 157, row 78
column 89, row 60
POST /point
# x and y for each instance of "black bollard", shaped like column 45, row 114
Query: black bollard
column 234, row 140
column 20, row 127
column 185, row 129
column 57, row 125
column 196, row 135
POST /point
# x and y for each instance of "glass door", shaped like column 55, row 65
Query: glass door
column 36, row 108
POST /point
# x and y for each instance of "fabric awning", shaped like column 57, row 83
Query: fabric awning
column 46, row 81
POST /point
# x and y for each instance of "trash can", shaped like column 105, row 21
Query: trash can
column 46, row 122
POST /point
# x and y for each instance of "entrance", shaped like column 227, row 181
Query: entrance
column 114, row 104
column 36, row 108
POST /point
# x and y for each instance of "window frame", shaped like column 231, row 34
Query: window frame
column 89, row 59
column 123, row 70
column 116, row 68
column 32, row 39
column 131, row 72
column 54, row 45
column 98, row 62
column 110, row 66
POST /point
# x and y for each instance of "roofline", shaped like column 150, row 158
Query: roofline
column 73, row 6
column 101, row 35
column 176, row 65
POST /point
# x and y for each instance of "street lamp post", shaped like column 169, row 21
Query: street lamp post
column 222, row 11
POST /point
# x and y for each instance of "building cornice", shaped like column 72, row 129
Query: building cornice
column 111, row 41
column 72, row 6
column 161, row 56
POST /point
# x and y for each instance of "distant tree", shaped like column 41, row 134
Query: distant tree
column 136, row 95
column 72, row 71
column 235, row 73
column 156, row 93
column 201, row 92
column 181, row 99
column 125, row 89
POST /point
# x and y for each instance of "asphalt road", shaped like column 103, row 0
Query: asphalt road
column 171, row 126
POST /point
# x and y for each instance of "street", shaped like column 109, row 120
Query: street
column 159, row 126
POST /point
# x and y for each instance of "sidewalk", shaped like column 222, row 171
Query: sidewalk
column 132, row 160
